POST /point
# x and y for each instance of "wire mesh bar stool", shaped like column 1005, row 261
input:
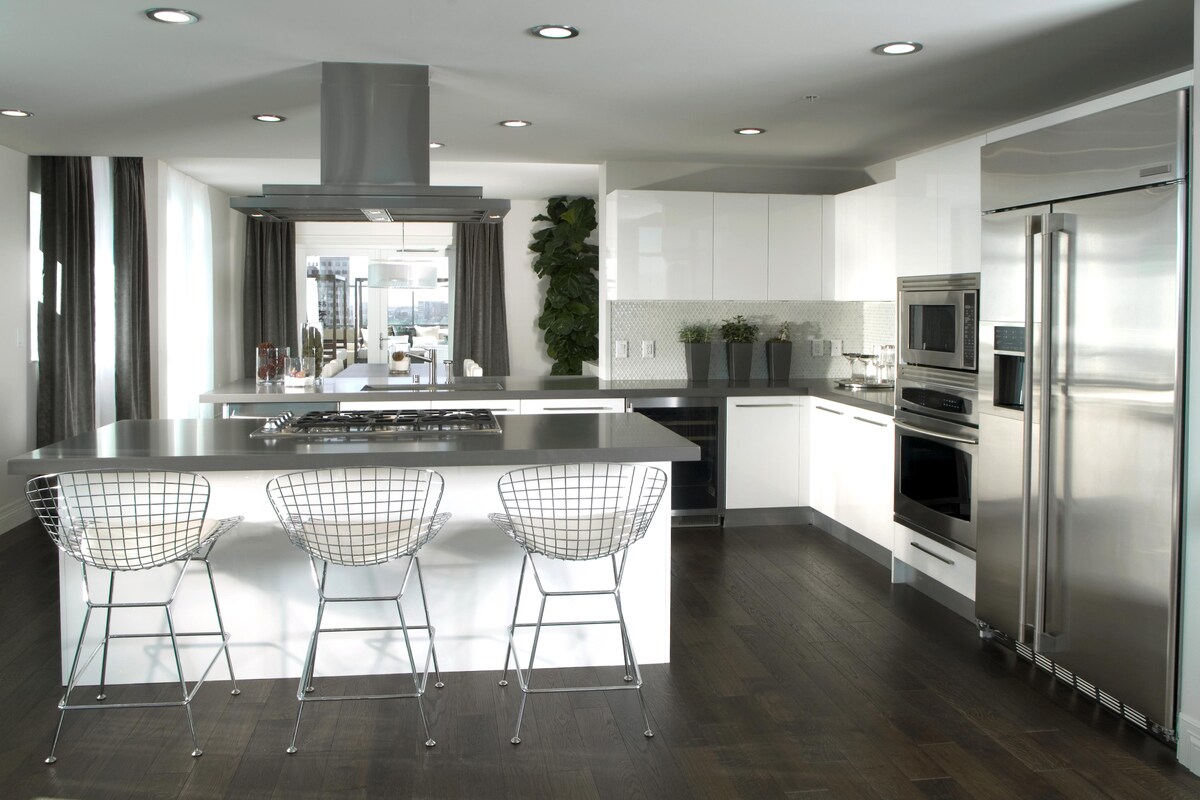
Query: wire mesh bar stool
column 576, row 512
column 359, row 517
column 119, row 521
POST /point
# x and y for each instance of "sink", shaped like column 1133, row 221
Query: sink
column 425, row 387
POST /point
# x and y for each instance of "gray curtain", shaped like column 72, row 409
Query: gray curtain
column 132, row 294
column 66, row 401
column 269, row 311
column 480, row 326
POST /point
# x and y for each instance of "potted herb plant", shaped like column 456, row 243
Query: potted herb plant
column 739, row 335
column 779, row 354
column 697, row 350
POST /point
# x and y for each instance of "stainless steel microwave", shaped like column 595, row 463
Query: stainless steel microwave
column 939, row 321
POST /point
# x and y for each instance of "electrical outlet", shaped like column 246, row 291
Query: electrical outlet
column 622, row 349
column 647, row 348
column 818, row 346
column 835, row 348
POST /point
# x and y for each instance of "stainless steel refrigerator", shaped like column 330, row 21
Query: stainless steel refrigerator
column 1079, row 474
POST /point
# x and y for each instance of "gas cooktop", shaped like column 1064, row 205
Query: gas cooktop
column 340, row 426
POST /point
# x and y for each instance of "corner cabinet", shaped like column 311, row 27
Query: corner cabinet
column 851, row 463
column 864, row 233
column 765, row 449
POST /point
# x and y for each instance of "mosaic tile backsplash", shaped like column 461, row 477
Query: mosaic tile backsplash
column 859, row 325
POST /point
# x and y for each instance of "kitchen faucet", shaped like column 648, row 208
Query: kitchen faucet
column 430, row 359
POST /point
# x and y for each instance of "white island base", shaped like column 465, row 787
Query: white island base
column 471, row 569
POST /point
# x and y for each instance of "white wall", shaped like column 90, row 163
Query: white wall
column 523, row 292
column 16, row 436
column 228, row 249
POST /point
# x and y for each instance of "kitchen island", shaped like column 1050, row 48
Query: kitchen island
column 470, row 568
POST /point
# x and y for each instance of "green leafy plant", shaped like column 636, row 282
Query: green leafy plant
column 571, row 313
column 783, row 334
column 738, row 329
column 695, row 334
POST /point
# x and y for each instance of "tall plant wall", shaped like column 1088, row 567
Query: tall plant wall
column 570, row 316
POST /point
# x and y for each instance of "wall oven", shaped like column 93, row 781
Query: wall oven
column 937, row 444
column 939, row 321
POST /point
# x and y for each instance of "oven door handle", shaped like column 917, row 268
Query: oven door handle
column 949, row 437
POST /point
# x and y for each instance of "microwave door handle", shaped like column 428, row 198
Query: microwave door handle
column 949, row 437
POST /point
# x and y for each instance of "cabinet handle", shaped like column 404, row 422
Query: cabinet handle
column 831, row 411
column 871, row 422
column 765, row 405
column 575, row 408
column 929, row 552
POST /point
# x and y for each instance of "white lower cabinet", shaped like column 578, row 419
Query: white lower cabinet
column 948, row 567
column 497, row 407
column 850, row 466
column 764, row 445
column 385, row 405
column 578, row 405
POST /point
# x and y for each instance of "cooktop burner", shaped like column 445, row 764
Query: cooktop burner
column 395, row 424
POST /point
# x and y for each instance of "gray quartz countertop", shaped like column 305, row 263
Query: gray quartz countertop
column 225, row 444
column 349, row 386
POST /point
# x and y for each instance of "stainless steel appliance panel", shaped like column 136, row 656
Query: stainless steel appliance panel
column 1004, row 593
column 939, row 321
column 935, row 483
column 1111, row 459
column 1137, row 144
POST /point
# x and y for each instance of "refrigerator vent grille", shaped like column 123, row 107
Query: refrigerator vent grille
column 1084, row 687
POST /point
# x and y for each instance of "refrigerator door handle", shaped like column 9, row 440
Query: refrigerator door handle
column 1055, row 249
column 1033, row 229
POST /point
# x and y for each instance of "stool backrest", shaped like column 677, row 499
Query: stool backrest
column 122, row 519
column 356, row 516
column 580, row 511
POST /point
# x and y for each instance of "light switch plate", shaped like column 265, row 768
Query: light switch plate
column 621, row 349
column 818, row 346
column 835, row 348
column 647, row 348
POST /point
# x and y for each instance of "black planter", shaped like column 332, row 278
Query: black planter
column 697, row 356
column 740, row 356
column 779, row 360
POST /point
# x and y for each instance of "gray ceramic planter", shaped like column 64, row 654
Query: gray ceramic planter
column 696, row 357
column 779, row 360
column 740, row 356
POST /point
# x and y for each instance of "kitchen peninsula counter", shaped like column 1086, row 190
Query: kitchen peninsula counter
column 470, row 567
column 348, row 386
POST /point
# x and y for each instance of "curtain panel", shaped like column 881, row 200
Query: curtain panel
column 269, row 311
column 131, row 289
column 66, row 373
column 480, row 325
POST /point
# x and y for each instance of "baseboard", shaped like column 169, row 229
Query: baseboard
column 746, row 517
column 933, row 589
column 13, row 514
column 873, row 550
column 1188, row 747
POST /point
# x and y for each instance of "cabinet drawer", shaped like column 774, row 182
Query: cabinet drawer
column 497, row 407
column 577, row 405
column 949, row 567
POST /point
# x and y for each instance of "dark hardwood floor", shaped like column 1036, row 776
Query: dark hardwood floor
column 797, row 671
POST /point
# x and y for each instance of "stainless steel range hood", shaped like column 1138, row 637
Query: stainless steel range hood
column 374, row 157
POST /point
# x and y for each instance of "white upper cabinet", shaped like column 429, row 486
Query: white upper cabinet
column 664, row 245
column 740, row 244
column 865, row 243
column 795, row 239
column 938, row 210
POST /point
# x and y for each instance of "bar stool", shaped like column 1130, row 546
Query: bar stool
column 121, row 521
column 358, row 517
column 576, row 512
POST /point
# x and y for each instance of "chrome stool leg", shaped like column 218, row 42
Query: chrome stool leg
column 112, row 578
column 187, row 705
column 310, row 659
column 212, row 585
column 62, row 704
column 425, row 605
column 508, row 653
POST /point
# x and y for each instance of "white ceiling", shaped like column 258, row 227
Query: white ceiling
column 663, row 80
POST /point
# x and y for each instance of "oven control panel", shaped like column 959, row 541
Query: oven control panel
column 935, row 400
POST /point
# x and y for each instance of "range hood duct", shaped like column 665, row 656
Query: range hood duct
column 374, row 157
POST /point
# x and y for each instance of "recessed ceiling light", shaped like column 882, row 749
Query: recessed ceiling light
column 515, row 123
column 750, row 131
column 897, row 48
column 435, row 145
column 14, row 112
column 812, row 97
column 269, row 118
column 555, row 31
column 173, row 16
